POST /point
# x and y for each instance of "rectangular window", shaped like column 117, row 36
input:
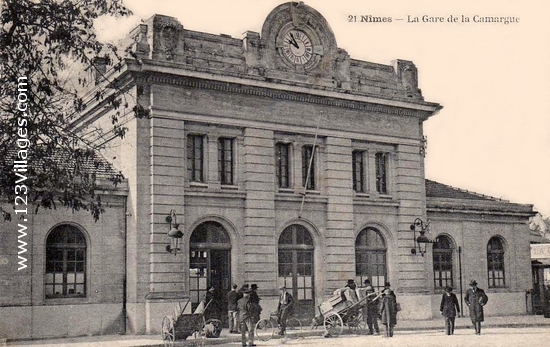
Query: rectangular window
column 382, row 172
column 282, row 157
column 308, row 180
column 496, row 270
column 358, row 171
column 195, row 158
column 225, row 160
column 443, row 267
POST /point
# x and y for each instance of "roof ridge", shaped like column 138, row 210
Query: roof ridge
column 487, row 197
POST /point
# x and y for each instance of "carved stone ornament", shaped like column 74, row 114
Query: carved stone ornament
column 299, row 14
column 168, row 39
column 409, row 77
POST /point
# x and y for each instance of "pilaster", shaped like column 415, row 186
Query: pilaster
column 259, row 179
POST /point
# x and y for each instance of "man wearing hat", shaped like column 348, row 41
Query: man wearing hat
column 475, row 299
column 371, row 310
column 285, row 307
column 350, row 293
column 232, row 299
column 255, row 308
column 387, row 285
column 388, row 311
column 245, row 318
column 449, row 308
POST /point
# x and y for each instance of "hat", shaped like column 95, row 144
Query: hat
column 367, row 281
column 234, row 286
column 254, row 286
column 245, row 285
column 473, row 283
column 387, row 284
column 448, row 288
column 351, row 282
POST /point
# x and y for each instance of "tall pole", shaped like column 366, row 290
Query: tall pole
column 310, row 164
column 460, row 279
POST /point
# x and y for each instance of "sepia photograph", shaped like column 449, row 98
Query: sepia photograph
column 260, row 173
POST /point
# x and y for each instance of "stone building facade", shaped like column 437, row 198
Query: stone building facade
column 286, row 161
column 62, row 273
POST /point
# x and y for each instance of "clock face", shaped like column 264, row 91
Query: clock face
column 297, row 47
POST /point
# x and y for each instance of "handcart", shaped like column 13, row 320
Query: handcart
column 179, row 326
column 339, row 311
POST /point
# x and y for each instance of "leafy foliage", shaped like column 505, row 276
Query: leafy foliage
column 44, row 43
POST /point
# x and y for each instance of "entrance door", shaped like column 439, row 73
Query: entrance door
column 370, row 258
column 210, row 266
column 296, row 269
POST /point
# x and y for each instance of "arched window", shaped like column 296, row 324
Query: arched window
column 443, row 262
column 65, row 263
column 495, row 263
column 370, row 257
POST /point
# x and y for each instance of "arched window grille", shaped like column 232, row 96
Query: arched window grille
column 370, row 258
column 495, row 263
column 443, row 262
column 65, row 274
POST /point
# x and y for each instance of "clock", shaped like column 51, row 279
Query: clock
column 297, row 47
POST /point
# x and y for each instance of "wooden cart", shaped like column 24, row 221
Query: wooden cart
column 179, row 326
column 337, row 312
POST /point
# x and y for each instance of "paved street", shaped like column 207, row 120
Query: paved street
column 516, row 331
column 501, row 337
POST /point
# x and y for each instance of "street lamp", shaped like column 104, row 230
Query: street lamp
column 174, row 233
column 422, row 240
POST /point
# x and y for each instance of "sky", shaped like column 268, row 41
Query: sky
column 493, row 79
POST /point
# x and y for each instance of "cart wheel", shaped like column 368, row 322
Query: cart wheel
column 293, row 327
column 356, row 323
column 333, row 325
column 264, row 329
column 167, row 331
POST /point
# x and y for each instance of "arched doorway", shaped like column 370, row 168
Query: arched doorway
column 370, row 258
column 210, row 264
column 296, row 268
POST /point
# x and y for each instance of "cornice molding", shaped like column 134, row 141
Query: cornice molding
column 235, row 88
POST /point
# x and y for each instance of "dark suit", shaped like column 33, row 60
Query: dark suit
column 245, row 320
column 232, row 298
column 449, row 308
column 388, row 313
column 475, row 299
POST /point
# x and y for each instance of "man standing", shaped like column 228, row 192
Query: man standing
column 255, row 308
column 232, row 298
column 371, row 311
column 245, row 318
column 475, row 299
column 388, row 311
column 449, row 308
column 284, row 308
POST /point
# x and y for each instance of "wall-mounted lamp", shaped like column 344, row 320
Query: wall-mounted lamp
column 174, row 233
column 422, row 240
